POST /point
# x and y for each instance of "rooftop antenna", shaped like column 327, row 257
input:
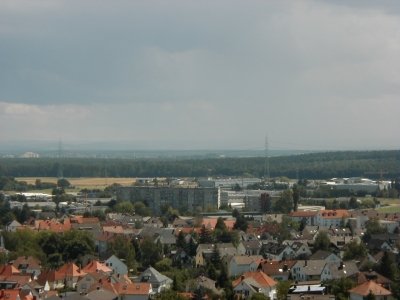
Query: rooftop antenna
column 266, row 163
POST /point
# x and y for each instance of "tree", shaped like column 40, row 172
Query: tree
column 388, row 267
column 296, row 197
column 76, row 244
column 353, row 204
column 340, row 287
column 258, row 296
column 122, row 248
column 205, row 236
column 284, row 203
column 63, row 183
column 322, row 242
column 180, row 240
column 282, row 289
column 150, row 252
column 373, row 226
column 354, row 250
column 370, row 296
column 125, row 207
column 220, row 225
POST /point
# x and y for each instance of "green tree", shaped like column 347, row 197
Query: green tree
column 258, row 296
column 321, row 242
column 164, row 265
column 340, row 287
column 123, row 248
column 150, row 252
column 205, row 236
column 284, row 203
column 295, row 196
column 169, row 295
column 370, row 296
column 125, row 207
column 354, row 250
column 180, row 240
column 220, row 225
column 353, row 204
column 63, row 183
column 76, row 244
column 282, row 289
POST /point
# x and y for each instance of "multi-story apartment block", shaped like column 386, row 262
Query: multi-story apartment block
column 183, row 198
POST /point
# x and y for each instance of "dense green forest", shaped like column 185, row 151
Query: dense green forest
column 371, row 164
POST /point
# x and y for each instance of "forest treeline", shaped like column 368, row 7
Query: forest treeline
column 372, row 164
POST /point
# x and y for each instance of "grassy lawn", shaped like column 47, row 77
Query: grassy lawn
column 389, row 209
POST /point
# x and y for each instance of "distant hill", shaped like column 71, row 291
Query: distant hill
column 306, row 166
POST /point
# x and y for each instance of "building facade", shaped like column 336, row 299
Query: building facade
column 182, row 198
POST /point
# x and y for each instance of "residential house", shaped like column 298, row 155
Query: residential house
column 239, row 264
column 327, row 256
column 95, row 267
column 254, row 282
column 278, row 270
column 332, row 217
column 71, row 274
column 51, row 280
column 27, row 265
column 275, row 251
column 362, row 277
column 134, row 291
column 204, row 251
column 363, row 290
column 11, row 294
column 307, row 217
column 101, row 294
column 207, row 284
column 117, row 265
column 308, row 270
column 159, row 282
column 301, row 249
column 13, row 226
column 253, row 247
column 335, row 271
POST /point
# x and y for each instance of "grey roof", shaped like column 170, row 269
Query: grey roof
column 273, row 248
column 311, row 267
column 348, row 268
column 320, row 254
column 154, row 276
column 101, row 295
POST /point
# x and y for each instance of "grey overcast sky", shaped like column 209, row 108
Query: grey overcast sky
column 169, row 74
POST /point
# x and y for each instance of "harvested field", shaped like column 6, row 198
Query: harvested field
column 83, row 182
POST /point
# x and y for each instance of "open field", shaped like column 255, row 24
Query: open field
column 80, row 183
column 389, row 209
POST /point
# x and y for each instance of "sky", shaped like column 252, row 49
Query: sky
column 169, row 74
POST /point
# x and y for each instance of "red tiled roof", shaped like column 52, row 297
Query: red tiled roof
column 72, row 270
column 137, row 288
column 273, row 267
column 95, row 266
column 303, row 213
column 259, row 276
column 8, row 270
column 212, row 222
column 370, row 286
column 9, row 294
column 334, row 213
